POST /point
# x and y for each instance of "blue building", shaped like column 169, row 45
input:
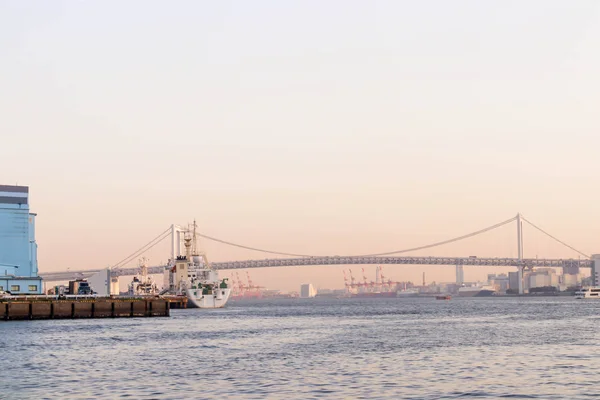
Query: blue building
column 18, row 248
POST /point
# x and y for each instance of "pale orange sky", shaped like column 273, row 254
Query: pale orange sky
column 304, row 127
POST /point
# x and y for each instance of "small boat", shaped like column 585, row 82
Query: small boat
column 445, row 297
column 588, row 293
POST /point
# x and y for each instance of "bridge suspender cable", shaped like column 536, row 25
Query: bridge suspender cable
column 165, row 234
column 549, row 235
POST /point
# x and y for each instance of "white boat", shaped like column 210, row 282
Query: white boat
column 592, row 292
column 194, row 277
column 142, row 284
column 476, row 291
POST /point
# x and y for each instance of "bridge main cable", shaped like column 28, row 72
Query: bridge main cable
column 367, row 255
column 558, row 240
column 165, row 234
column 251, row 248
column 456, row 239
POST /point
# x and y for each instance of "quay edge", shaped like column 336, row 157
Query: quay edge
column 36, row 307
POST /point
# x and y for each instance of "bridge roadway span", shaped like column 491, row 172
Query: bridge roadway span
column 352, row 260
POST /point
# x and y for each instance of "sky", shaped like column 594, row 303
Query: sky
column 312, row 127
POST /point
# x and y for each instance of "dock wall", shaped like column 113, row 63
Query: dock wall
column 22, row 309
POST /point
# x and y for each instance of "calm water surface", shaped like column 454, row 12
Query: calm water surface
column 544, row 348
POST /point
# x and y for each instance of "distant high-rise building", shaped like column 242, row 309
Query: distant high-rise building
column 513, row 280
column 307, row 290
column 570, row 280
column 460, row 275
column 499, row 282
column 595, row 269
column 18, row 248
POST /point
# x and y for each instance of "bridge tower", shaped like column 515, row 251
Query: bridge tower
column 176, row 239
column 520, row 251
column 460, row 274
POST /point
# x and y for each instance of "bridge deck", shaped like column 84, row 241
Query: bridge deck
column 306, row 261
column 473, row 261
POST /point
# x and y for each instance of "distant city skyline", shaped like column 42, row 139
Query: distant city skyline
column 314, row 128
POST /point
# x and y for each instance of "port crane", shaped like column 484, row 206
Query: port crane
column 251, row 285
column 379, row 285
column 346, row 284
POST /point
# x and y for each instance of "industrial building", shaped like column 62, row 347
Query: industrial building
column 18, row 248
column 542, row 277
column 500, row 282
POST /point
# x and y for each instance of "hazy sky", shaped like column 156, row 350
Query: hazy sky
column 319, row 127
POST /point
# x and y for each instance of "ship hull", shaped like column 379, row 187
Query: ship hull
column 375, row 295
column 476, row 293
column 217, row 299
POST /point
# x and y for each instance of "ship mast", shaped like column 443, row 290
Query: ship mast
column 188, row 245
column 194, row 243
column 195, row 250
column 144, row 269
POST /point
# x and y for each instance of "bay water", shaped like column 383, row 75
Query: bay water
column 412, row 348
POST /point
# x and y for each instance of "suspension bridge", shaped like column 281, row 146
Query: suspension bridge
column 176, row 233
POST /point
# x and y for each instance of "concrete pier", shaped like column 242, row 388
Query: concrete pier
column 177, row 301
column 27, row 308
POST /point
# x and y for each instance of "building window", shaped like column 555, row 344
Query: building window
column 1, row 288
column 15, row 288
column 33, row 288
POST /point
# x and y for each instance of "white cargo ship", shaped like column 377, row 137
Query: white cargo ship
column 476, row 291
column 207, row 291
column 193, row 276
